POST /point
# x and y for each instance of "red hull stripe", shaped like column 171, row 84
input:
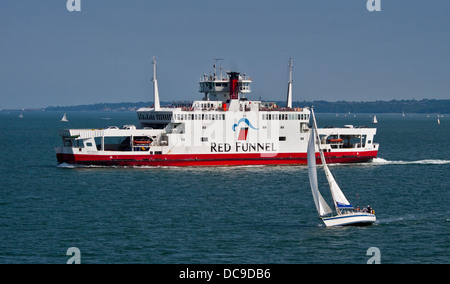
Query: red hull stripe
column 212, row 159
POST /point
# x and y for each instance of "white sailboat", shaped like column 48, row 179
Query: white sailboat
column 64, row 118
column 344, row 214
column 374, row 120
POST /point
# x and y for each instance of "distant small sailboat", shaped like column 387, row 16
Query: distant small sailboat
column 403, row 113
column 64, row 118
column 374, row 120
column 21, row 115
column 345, row 215
column 439, row 122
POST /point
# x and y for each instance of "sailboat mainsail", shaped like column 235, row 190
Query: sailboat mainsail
column 321, row 204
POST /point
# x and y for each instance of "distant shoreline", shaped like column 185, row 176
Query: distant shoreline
column 425, row 106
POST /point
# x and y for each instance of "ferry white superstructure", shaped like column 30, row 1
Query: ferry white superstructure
column 225, row 128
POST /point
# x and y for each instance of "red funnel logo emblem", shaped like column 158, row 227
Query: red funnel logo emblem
column 243, row 132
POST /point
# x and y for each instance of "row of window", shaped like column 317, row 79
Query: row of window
column 217, row 116
column 193, row 116
column 204, row 86
column 208, row 105
column 155, row 116
column 285, row 116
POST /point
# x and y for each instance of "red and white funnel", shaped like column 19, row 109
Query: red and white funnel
column 234, row 85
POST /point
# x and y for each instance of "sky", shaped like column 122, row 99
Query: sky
column 103, row 53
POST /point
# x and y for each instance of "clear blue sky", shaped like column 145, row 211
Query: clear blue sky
column 341, row 51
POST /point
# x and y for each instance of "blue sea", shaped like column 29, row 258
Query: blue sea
column 259, row 214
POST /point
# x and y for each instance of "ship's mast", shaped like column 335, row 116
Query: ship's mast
column 155, row 86
column 289, row 93
column 215, row 68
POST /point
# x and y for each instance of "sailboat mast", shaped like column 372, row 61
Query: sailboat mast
column 322, row 157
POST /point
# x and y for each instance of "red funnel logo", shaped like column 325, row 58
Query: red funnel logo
column 243, row 134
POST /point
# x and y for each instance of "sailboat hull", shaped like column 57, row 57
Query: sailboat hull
column 352, row 219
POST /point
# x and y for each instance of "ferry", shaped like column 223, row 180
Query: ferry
column 224, row 128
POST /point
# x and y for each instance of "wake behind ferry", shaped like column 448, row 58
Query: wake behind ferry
column 224, row 128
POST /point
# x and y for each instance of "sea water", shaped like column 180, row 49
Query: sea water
column 256, row 214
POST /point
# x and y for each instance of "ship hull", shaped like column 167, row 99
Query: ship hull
column 177, row 160
column 352, row 219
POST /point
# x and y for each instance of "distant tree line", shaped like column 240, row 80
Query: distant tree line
column 392, row 106
column 101, row 107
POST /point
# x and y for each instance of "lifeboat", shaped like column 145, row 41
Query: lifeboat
column 336, row 140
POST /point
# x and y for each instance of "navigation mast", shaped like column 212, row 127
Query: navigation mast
column 216, row 60
column 289, row 92
column 155, row 86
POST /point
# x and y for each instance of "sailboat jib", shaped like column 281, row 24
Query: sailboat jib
column 338, row 196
